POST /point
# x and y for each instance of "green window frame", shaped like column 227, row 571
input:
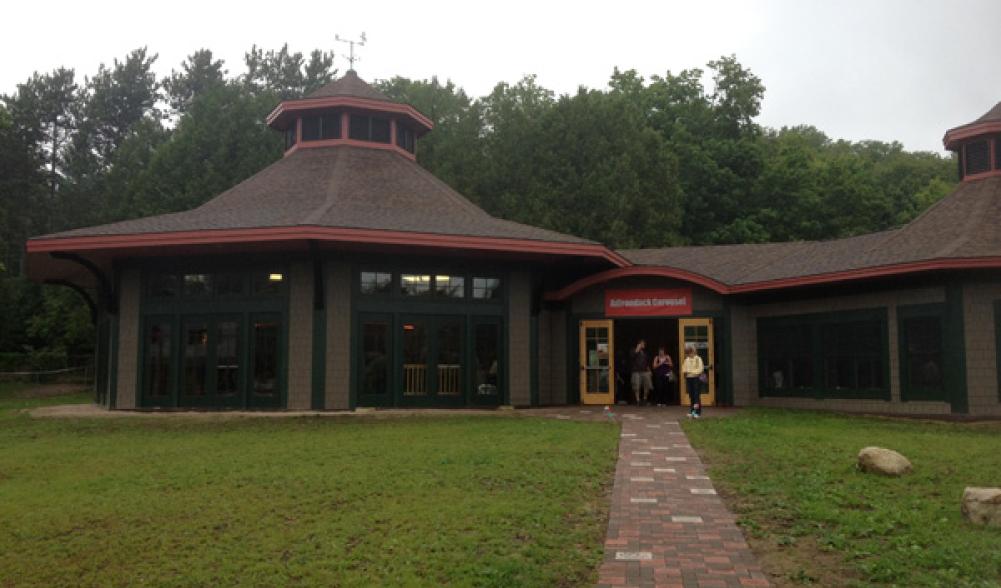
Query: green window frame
column 922, row 357
column 840, row 355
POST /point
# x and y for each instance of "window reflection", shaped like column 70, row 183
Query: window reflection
column 450, row 286
column 376, row 282
column 415, row 284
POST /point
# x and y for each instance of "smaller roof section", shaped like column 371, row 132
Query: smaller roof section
column 348, row 91
column 989, row 123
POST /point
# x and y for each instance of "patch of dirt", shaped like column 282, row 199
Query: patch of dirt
column 50, row 390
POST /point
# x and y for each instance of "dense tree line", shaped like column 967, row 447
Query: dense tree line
column 642, row 163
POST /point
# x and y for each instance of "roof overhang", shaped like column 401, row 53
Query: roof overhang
column 954, row 136
column 284, row 112
column 41, row 267
column 778, row 284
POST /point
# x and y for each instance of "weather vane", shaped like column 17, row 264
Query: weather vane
column 351, row 43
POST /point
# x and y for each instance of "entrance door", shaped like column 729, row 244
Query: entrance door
column 698, row 332
column 211, row 358
column 597, row 366
column 432, row 371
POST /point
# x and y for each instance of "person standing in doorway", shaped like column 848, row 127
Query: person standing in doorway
column 663, row 367
column 692, row 369
column 642, row 381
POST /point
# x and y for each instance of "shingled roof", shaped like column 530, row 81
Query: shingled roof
column 961, row 226
column 349, row 85
column 343, row 187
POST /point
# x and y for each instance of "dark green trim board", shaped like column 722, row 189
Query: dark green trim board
column 954, row 351
column 319, row 380
column 908, row 391
column 726, row 398
column 812, row 325
column 997, row 344
column 533, row 347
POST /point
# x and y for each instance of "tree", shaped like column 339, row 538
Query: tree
column 199, row 74
column 286, row 74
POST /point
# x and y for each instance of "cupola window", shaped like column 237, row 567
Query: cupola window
column 290, row 137
column 369, row 128
column 997, row 153
column 978, row 157
column 404, row 138
column 315, row 128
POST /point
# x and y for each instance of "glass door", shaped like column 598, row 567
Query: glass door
column 211, row 361
column 698, row 332
column 597, row 370
column 414, row 382
column 486, row 364
column 432, row 354
column 374, row 359
column 265, row 381
column 448, row 350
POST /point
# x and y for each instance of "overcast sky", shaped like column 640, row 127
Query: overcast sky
column 901, row 70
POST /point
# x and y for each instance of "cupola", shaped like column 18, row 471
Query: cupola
column 978, row 145
column 348, row 111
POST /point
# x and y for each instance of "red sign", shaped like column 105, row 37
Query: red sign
column 673, row 302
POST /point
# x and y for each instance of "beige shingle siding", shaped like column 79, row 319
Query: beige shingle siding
column 128, row 339
column 981, row 347
column 338, row 360
column 300, row 336
column 519, row 349
column 745, row 362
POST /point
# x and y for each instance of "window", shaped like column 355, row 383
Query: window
column 267, row 283
column 415, row 284
column 404, row 137
column 380, row 130
column 162, row 286
column 290, row 137
column 486, row 288
column 157, row 383
column 330, row 126
column 315, row 128
column 837, row 355
column 921, row 367
column 376, row 282
column 368, row 128
column 785, row 357
column 358, row 127
column 197, row 285
column 978, row 158
column 228, row 284
column 450, row 286
column 852, row 355
column 997, row 153
column 311, row 128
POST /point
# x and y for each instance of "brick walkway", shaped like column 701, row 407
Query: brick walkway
column 667, row 526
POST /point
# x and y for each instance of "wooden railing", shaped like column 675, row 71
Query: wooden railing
column 415, row 379
column 449, row 379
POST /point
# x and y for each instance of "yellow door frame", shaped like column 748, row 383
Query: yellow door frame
column 709, row 391
column 594, row 362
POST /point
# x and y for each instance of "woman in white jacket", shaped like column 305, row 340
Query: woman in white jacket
column 693, row 368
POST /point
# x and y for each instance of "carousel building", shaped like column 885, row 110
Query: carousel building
column 345, row 275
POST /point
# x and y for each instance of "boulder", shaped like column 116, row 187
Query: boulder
column 883, row 461
column 982, row 506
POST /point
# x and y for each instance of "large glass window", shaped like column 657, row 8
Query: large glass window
column 266, row 340
column 376, row 282
column 162, row 285
column 290, row 137
column 380, row 130
column 330, row 126
column 450, row 286
column 415, row 359
column 227, row 358
column 157, row 365
column 785, row 357
column 486, row 288
column 841, row 355
column 922, row 369
column 449, row 344
column 375, row 357
column 369, row 128
column 267, row 282
column 311, row 128
column 358, row 127
column 196, row 338
column 415, row 284
column 486, row 347
column 197, row 285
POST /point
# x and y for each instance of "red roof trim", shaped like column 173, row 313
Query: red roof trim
column 965, row 132
column 306, row 104
column 721, row 288
column 304, row 232
column 350, row 143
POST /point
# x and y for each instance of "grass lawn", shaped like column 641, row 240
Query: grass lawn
column 458, row 500
column 790, row 477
